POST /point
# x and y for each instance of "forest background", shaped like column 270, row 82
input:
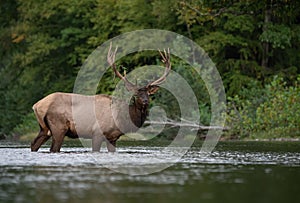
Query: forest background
column 255, row 45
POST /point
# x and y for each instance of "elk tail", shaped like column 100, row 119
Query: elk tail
column 41, row 118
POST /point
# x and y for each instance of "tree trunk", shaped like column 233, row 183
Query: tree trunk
column 266, row 45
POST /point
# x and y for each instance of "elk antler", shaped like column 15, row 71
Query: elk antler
column 111, row 61
column 166, row 60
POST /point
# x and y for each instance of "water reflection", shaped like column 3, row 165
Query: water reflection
column 75, row 176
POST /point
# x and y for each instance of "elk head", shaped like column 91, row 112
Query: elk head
column 141, row 93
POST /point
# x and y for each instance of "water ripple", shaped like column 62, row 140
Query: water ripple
column 140, row 156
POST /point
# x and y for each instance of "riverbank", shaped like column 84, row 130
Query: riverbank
column 139, row 137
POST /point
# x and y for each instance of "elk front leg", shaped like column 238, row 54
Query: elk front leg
column 39, row 140
column 96, row 143
column 111, row 140
column 111, row 146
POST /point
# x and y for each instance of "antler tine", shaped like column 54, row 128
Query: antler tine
column 110, row 59
column 166, row 60
column 162, row 55
column 111, row 56
column 165, row 55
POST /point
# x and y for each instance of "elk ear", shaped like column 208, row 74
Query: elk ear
column 153, row 89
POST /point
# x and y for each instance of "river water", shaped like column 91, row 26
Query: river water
column 233, row 172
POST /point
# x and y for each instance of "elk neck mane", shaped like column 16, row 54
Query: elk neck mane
column 138, row 112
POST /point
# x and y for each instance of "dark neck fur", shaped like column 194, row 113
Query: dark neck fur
column 138, row 113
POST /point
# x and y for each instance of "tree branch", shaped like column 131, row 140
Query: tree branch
column 194, row 126
column 222, row 10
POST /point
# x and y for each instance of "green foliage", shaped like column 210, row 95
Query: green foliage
column 271, row 112
column 240, row 24
column 280, row 115
column 44, row 43
column 279, row 36
column 27, row 126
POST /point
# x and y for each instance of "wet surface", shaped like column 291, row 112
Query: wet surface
column 233, row 172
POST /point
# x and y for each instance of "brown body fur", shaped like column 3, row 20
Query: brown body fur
column 97, row 117
column 74, row 115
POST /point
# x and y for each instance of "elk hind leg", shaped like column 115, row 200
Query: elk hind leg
column 39, row 140
column 57, row 139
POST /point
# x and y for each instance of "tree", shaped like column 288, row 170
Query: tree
column 44, row 43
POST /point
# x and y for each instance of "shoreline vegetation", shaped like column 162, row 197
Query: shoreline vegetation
column 253, row 44
column 136, row 137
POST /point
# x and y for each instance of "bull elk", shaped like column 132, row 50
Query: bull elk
column 94, row 114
